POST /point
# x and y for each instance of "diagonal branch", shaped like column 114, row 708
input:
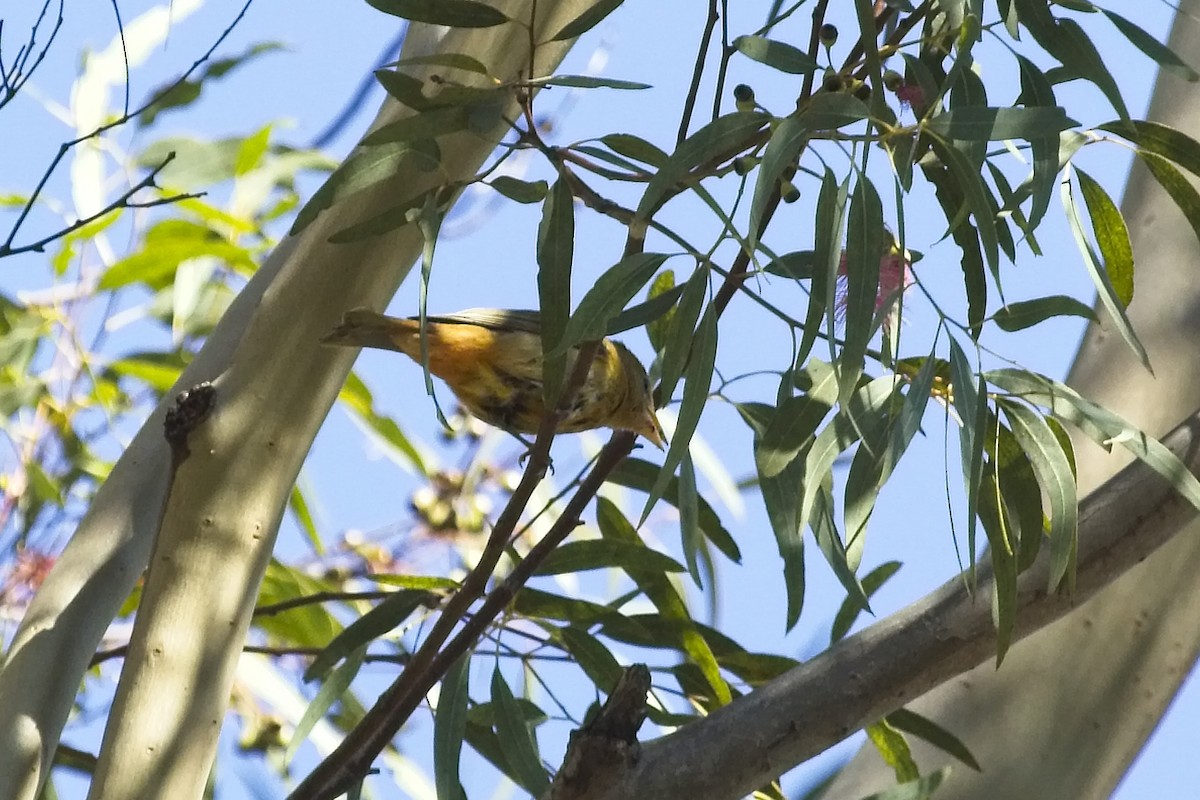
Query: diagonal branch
column 807, row 710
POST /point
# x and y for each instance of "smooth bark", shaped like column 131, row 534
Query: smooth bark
column 1071, row 707
column 275, row 384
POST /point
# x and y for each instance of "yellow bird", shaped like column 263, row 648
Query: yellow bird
column 492, row 360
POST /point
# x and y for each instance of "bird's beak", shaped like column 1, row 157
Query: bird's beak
column 652, row 430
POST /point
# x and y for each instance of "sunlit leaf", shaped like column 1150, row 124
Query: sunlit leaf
column 1112, row 236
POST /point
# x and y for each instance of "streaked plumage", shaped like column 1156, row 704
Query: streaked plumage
column 492, row 360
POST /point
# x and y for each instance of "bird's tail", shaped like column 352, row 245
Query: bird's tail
column 362, row 327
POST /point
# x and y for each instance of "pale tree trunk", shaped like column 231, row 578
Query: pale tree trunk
column 1073, row 705
column 274, row 385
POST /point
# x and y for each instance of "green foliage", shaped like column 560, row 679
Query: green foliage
column 818, row 198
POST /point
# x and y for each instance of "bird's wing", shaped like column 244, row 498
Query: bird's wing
column 495, row 318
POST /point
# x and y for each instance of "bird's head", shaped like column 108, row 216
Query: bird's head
column 636, row 412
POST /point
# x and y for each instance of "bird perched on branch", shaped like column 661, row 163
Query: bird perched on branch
column 492, row 361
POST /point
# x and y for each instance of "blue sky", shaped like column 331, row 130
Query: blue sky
column 487, row 259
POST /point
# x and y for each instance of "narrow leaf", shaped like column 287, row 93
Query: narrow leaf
column 516, row 739
column 1027, row 313
column 450, row 728
column 781, row 56
column 555, row 252
column 1112, row 236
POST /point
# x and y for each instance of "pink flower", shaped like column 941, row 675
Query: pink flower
column 911, row 95
column 895, row 276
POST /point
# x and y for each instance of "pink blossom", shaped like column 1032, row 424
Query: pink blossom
column 895, row 276
column 911, row 95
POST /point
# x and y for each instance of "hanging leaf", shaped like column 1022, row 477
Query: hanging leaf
column 451, row 13
column 516, row 739
column 1027, row 313
column 607, row 297
column 1112, row 236
column 555, row 252
column 1055, row 475
column 779, row 55
column 450, row 728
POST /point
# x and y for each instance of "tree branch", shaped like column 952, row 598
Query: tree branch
column 812, row 707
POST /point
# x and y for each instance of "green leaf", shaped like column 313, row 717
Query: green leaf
column 383, row 429
column 519, row 190
column 718, row 139
column 607, row 297
column 516, row 739
column 386, row 221
column 659, row 306
column 827, row 251
column 689, row 512
column 386, row 616
column 330, row 692
column 536, row 604
column 787, row 140
column 555, row 252
column 366, row 167
column 1027, row 313
column 864, row 249
column 681, row 333
column 589, row 19
column 588, row 82
column 850, row 609
column 1186, row 198
column 911, row 722
column 635, row 147
column 795, row 421
column 919, row 789
column 636, row 473
column 159, row 371
column 298, row 504
column 699, row 374
column 450, row 728
column 604, row 554
column 180, row 94
column 781, row 56
column 451, row 13
column 451, row 60
column 827, row 111
column 166, row 245
column 666, row 599
column 1036, row 91
column 1055, row 475
column 994, row 124
column 593, row 657
column 891, row 745
column 977, row 200
column 1163, row 55
column 797, row 266
column 781, row 496
column 1111, row 235
column 1108, row 295
column 1078, row 54
column 997, row 523
column 1101, row 425
column 425, row 124
column 656, row 328
column 1157, row 138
